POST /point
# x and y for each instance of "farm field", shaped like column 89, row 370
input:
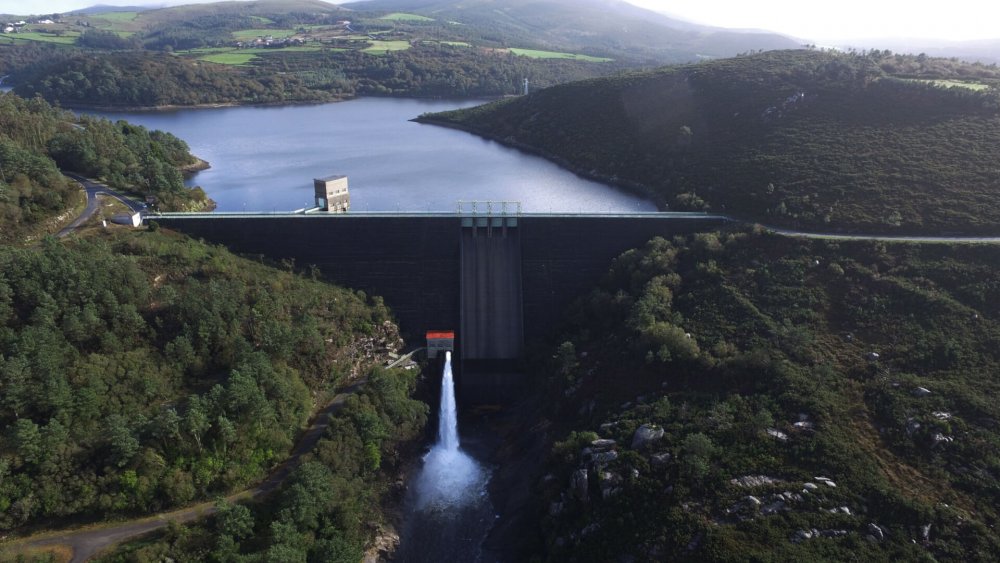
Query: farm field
column 67, row 38
column 244, row 34
column 382, row 47
column 536, row 54
column 402, row 16
column 232, row 58
column 974, row 86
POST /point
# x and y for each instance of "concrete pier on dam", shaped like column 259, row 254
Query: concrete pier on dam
column 500, row 281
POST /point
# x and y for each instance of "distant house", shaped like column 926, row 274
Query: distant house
column 46, row 22
column 8, row 29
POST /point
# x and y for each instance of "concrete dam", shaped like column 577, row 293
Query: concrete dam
column 499, row 281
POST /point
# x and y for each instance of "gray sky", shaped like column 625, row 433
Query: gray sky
column 805, row 19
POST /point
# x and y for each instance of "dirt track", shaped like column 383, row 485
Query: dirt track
column 87, row 542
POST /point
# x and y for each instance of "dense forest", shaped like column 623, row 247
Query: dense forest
column 38, row 140
column 328, row 508
column 744, row 396
column 150, row 80
column 870, row 142
column 142, row 79
column 143, row 371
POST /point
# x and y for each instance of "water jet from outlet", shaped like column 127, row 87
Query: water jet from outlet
column 450, row 479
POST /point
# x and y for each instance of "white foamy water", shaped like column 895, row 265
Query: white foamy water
column 450, row 478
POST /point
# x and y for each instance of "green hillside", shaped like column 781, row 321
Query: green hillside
column 142, row 371
column 38, row 141
column 603, row 27
column 805, row 139
column 284, row 52
column 766, row 398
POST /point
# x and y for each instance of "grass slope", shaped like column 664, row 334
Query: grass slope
column 598, row 27
column 804, row 139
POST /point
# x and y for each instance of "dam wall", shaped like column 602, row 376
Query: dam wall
column 501, row 290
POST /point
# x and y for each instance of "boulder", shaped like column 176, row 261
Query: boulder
column 774, row 507
column 876, row 532
column 660, row 460
column 777, row 434
column 602, row 444
column 384, row 546
column 748, row 481
column 921, row 392
column 940, row 438
column 581, row 484
column 646, row 435
column 802, row 535
column 604, row 458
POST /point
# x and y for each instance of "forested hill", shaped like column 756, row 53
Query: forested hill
column 141, row 371
column 37, row 141
column 307, row 50
column 750, row 397
column 870, row 142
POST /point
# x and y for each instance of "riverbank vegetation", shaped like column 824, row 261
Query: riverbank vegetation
column 38, row 141
column 142, row 371
column 802, row 139
column 744, row 395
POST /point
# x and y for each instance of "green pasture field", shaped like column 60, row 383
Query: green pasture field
column 232, row 58
column 67, row 38
column 403, row 16
column 245, row 34
column 976, row 86
column 383, row 47
column 535, row 54
column 116, row 16
column 293, row 49
column 204, row 51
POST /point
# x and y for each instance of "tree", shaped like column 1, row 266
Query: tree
column 124, row 445
column 696, row 452
column 234, row 520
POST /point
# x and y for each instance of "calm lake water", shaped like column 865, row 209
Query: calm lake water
column 265, row 159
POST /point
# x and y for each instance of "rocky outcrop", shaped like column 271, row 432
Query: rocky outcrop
column 646, row 435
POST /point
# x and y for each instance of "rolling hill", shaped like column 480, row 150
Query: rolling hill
column 305, row 50
column 870, row 142
column 610, row 27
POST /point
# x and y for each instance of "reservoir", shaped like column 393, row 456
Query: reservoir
column 265, row 159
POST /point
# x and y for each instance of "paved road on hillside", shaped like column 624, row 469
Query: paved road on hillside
column 887, row 238
column 85, row 543
column 93, row 188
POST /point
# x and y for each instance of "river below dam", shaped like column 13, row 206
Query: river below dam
column 265, row 159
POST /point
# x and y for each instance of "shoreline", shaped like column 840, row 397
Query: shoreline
column 198, row 165
column 626, row 186
column 221, row 105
